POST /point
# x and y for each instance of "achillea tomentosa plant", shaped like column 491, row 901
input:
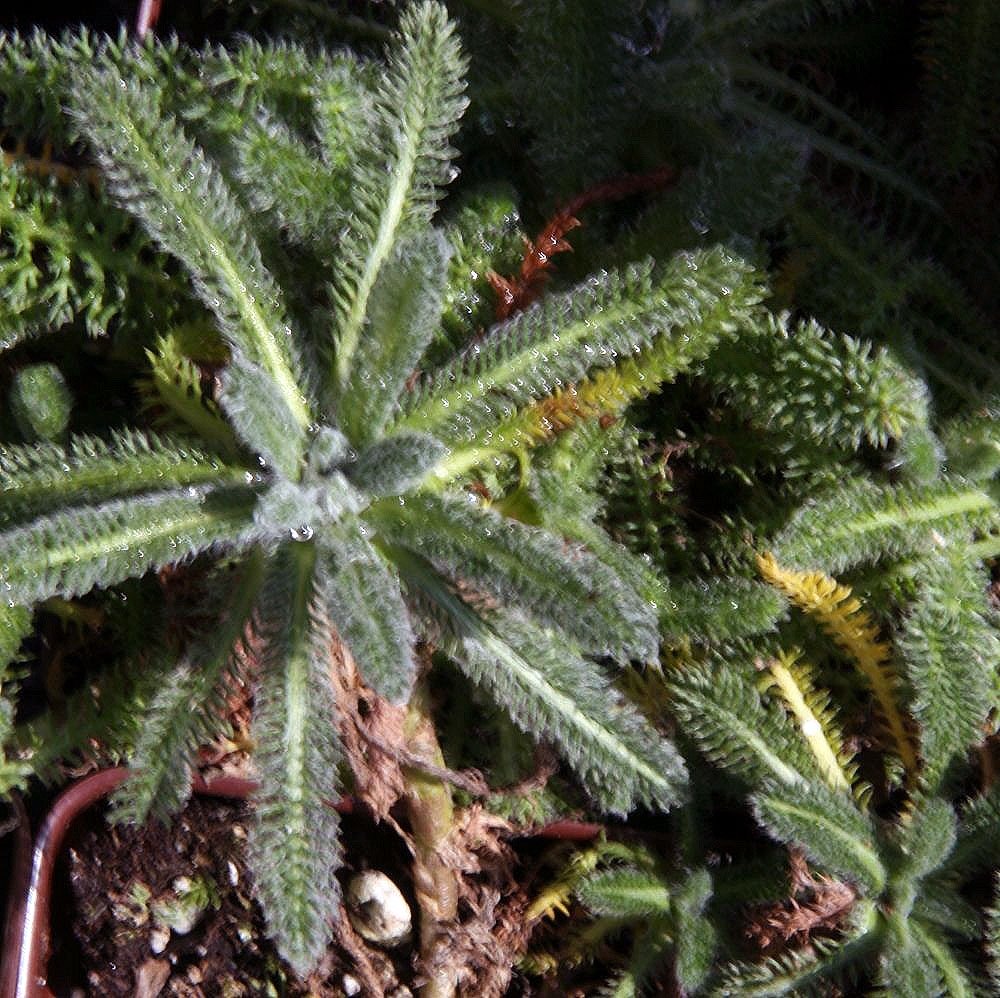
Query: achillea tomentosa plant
column 360, row 480
column 337, row 484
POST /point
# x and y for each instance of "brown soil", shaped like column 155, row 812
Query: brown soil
column 105, row 926
column 122, row 876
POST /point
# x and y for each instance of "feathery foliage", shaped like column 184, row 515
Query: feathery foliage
column 314, row 425
column 417, row 109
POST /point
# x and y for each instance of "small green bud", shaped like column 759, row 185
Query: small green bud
column 40, row 402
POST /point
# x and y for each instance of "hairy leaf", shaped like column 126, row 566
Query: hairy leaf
column 693, row 300
column 403, row 313
column 694, row 934
column 44, row 477
column 69, row 552
column 929, row 837
column 361, row 596
column 294, row 847
column 396, row 464
column 859, row 522
column 724, row 714
column 186, row 712
column 827, row 825
column 949, row 652
column 251, row 400
column 559, row 583
column 625, row 892
column 179, row 195
column 975, row 848
column 553, row 693
column 416, row 112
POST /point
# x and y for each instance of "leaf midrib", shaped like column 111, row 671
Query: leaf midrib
column 867, row 857
column 568, row 708
column 385, row 239
column 267, row 345
column 58, row 557
column 437, row 408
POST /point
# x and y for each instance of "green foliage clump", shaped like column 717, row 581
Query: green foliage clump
column 710, row 507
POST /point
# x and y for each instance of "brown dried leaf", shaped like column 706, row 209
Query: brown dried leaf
column 817, row 905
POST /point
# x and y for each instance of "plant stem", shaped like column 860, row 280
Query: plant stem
column 431, row 812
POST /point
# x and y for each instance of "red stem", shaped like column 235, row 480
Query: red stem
column 145, row 20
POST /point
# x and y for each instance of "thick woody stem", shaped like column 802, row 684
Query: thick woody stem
column 431, row 813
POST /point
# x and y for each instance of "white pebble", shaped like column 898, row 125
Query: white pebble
column 158, row 939
column 378, row 910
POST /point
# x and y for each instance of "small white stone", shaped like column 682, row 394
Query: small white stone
column 378, row 910
column 158, row 939
column 351, row 985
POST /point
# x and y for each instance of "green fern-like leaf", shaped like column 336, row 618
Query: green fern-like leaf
column 602, row 395
column 362, row 599
column 294, row 847
column 160, row 175
column 107, row 713
column 553, row 693
column 175, row 384
column 66, row 258
column 252, row 401
column 35, row 480
column 69, row 552
column 416, row 112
